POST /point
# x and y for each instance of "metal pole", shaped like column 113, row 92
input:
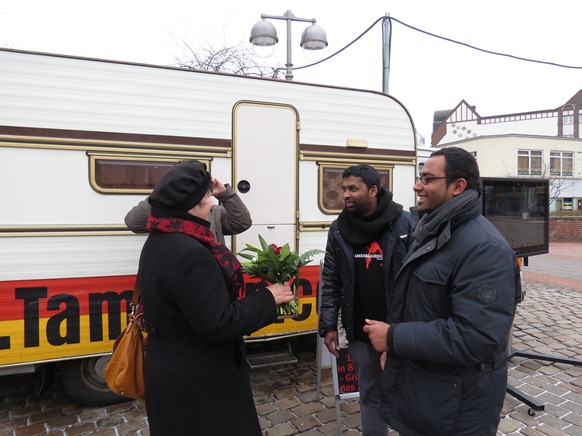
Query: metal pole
column 289, row 64
column 386, row 39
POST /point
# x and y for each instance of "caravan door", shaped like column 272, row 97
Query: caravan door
column 265, row 171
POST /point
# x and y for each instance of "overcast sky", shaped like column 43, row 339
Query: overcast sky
column 426, row 74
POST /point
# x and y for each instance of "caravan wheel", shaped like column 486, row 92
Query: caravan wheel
column 84, row 381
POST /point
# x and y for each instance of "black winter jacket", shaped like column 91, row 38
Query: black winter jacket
column 453, row 307
column 338, row 272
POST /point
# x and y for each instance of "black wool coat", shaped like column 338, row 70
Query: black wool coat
column 196, row 378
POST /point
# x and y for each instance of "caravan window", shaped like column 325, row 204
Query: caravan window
column 116, row 174
column 331, row 200
column 127, row 174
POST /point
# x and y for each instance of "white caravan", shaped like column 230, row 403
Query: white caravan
column 83, row 140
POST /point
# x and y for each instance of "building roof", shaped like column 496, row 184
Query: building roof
column 576, row 101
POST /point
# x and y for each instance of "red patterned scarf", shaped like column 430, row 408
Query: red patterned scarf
column 229, row 264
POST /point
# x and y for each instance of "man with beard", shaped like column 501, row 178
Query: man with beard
column 365, row 249
column 451, row 310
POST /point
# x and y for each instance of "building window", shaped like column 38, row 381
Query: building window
column 529, row 162
column 566, row 204
column 568, row 117
column 561, row 163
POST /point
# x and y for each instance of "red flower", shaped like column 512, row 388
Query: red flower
column 276, row 249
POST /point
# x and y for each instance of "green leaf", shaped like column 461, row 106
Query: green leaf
column 251, row 248
column 285, row 251
column 307, row 257
column 263, row 243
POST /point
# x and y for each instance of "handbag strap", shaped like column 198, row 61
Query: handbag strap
column 135, row 299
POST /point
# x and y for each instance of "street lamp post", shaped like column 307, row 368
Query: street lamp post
column 386, row 42
column 264, row 34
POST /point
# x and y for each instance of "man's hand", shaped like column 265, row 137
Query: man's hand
column 331, row 342
column 217, row 187
column 378, row 333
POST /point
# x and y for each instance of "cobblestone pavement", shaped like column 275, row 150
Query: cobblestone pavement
column 547, row 322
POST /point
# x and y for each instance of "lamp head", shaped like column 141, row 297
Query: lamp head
column 313, row 38
column 263, row 34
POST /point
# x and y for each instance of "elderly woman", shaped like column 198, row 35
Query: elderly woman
column 196, row 311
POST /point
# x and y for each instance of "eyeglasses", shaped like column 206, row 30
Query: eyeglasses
column 425, row 180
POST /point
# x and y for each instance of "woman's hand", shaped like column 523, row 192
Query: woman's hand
column 217, row 187
column 281, row 293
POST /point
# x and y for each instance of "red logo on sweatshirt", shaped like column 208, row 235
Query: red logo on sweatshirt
column 374, row 252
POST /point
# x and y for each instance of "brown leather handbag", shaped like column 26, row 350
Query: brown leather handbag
column 124, row 372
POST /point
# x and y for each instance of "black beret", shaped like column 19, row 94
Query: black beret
column 182, row 187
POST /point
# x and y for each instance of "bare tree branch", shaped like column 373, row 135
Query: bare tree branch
column 236, row 60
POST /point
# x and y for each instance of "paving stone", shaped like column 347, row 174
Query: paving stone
column 110, row 421
column 9, row 426
column 524, row 418
column 80, row 429
column 307, row 409
column 45, row 416
column 280, row 416
column 350, row 407
column 265, row 409
column 284, row 429
column 131, row 426
column 23, row 412
column 264, row 423
column 306, row 397
column 573, row 418
column 509, row 425
column 31, row 430
column 329, row 429
column 313, row 432
column 352, row 421
column 326, row 415
column 328, row 402
column 551, row 421
column 304, row 423
column 62, row 421
column 573, row 407
column 284, row 393
column 574, row 371
column 551, row 431
column 558, row 389
column 573, row 431
column 283, row 384
column 530, row 431
column 549, row 370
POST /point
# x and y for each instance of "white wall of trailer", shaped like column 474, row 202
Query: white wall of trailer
column 50, row 186
column 45, row 91
column 53, row 257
